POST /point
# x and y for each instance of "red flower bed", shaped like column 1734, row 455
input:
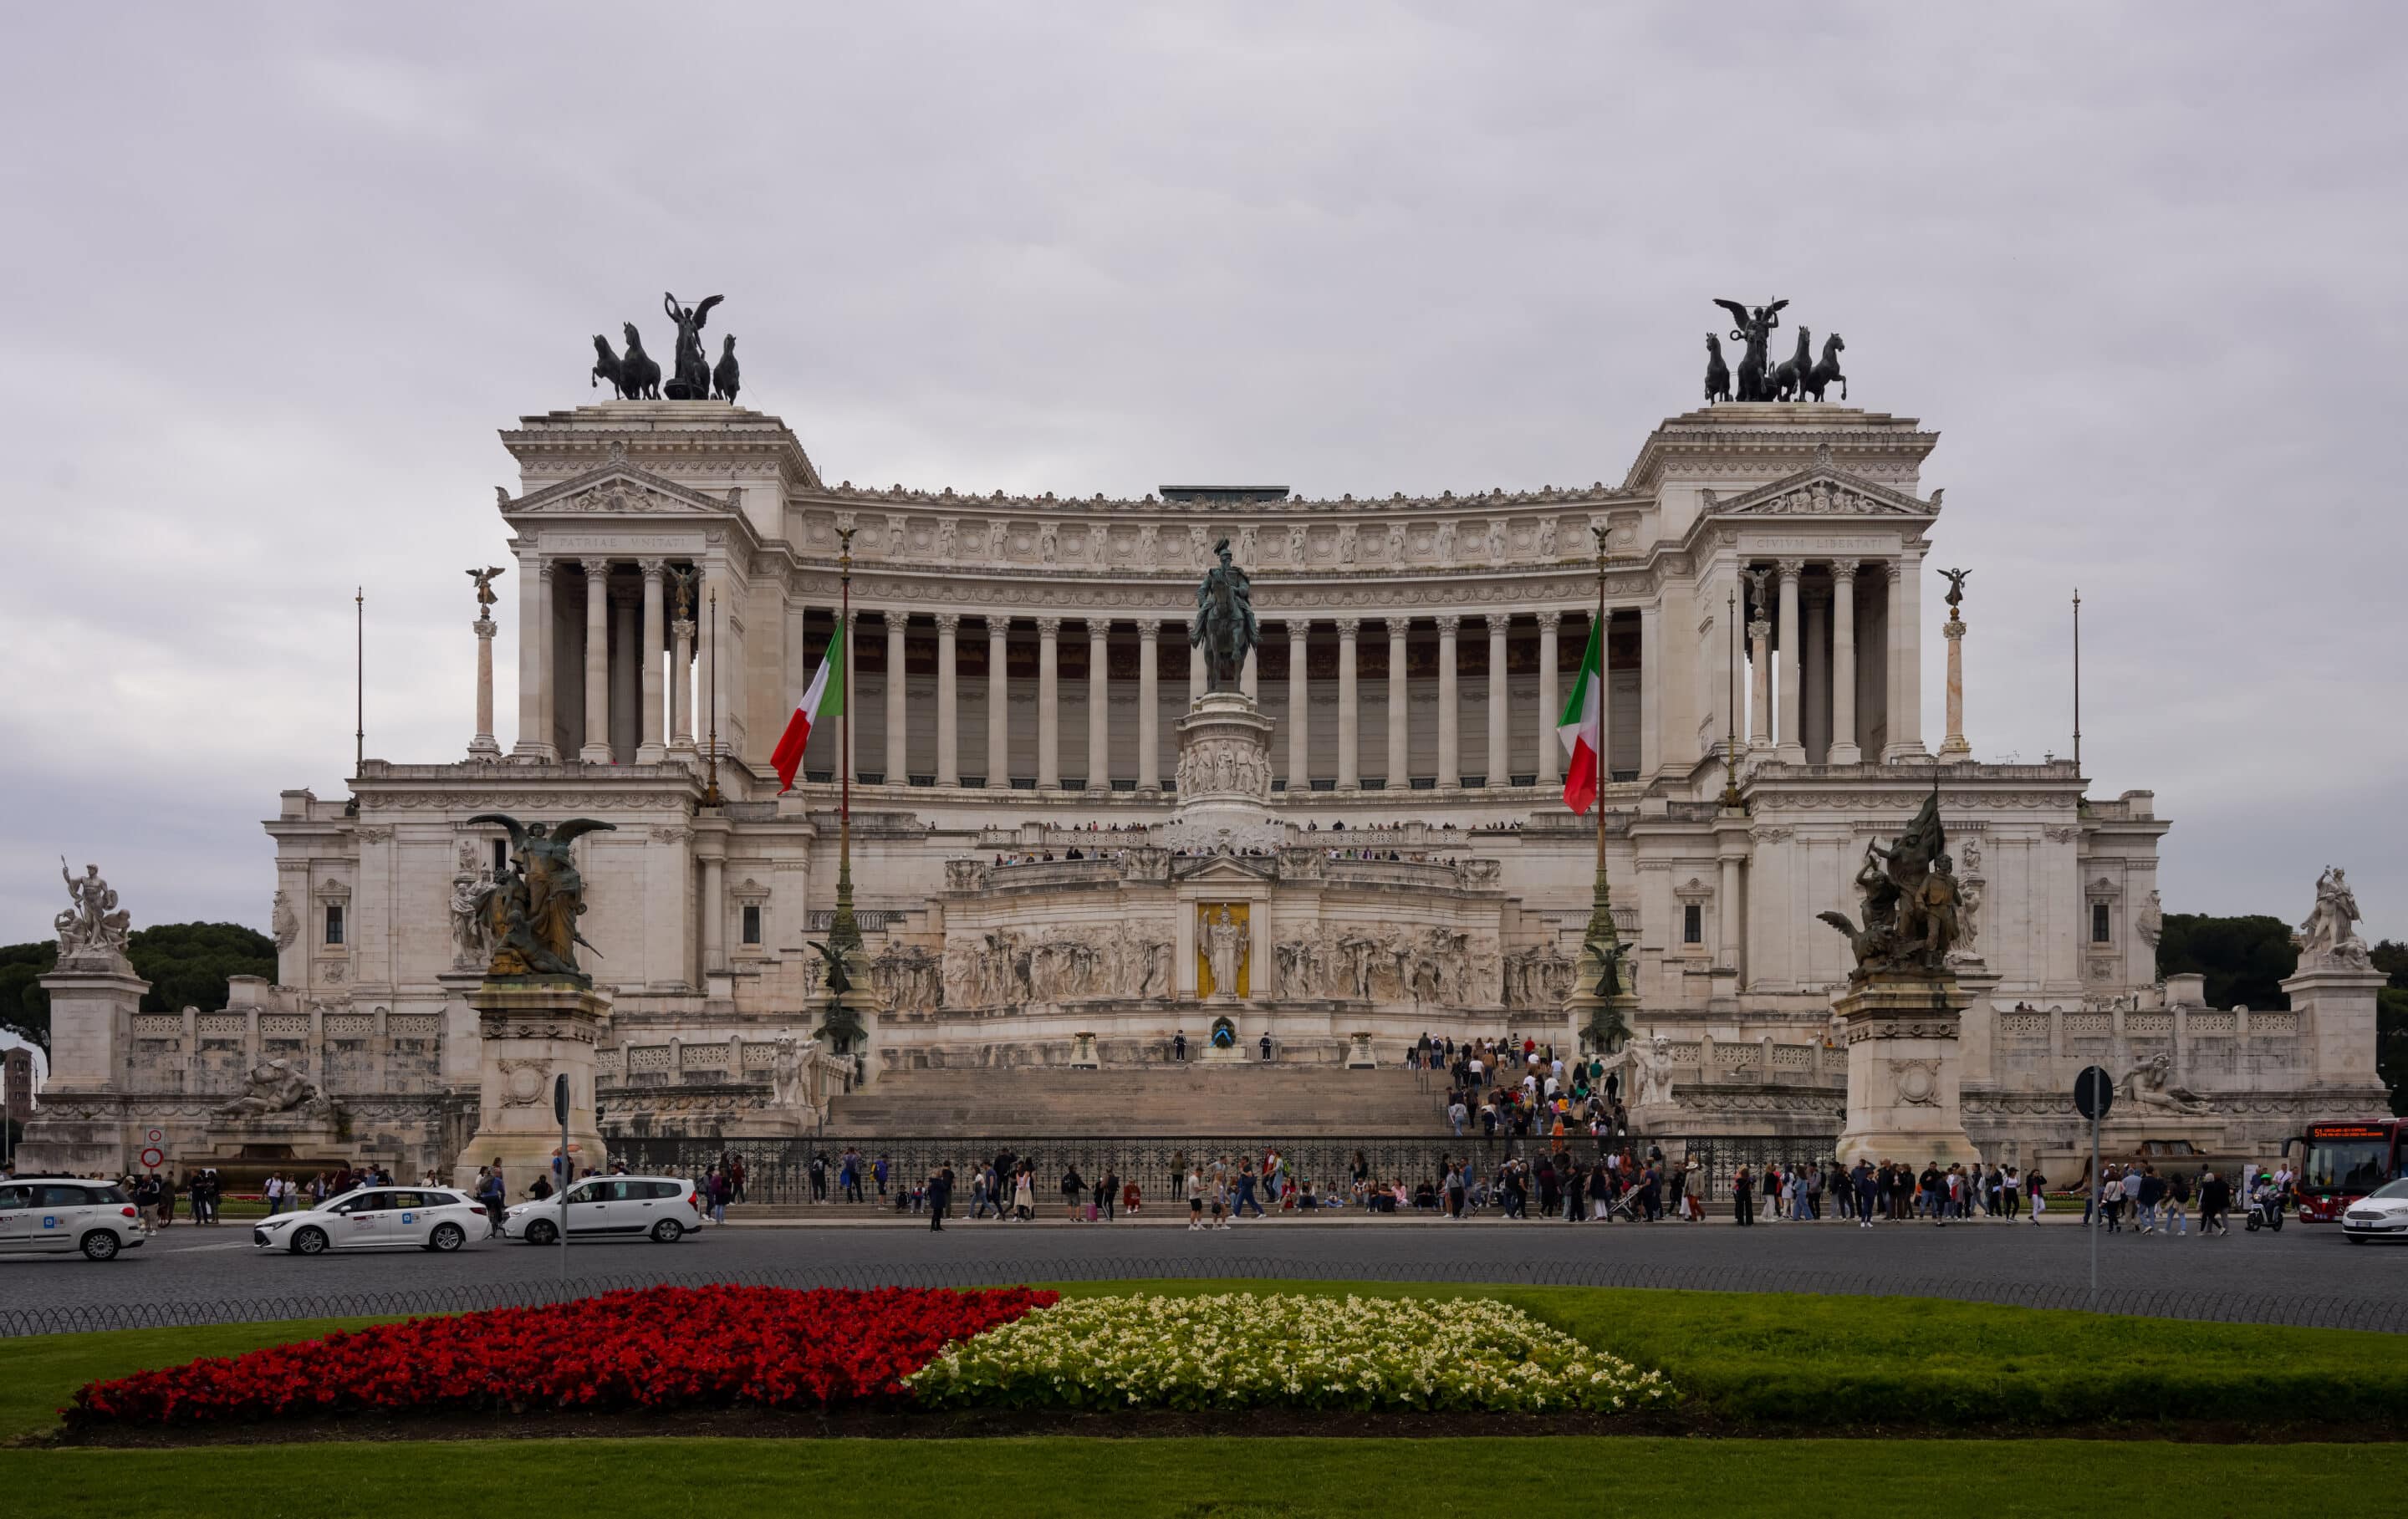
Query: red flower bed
column 655, row 1348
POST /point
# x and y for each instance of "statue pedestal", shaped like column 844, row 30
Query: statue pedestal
column 2334, row 1001
column 80, row 1128
column 1358, row 1053
column 534, row 1029
column 1082, row 1053
column 1903, row 1052
column 1225, row 778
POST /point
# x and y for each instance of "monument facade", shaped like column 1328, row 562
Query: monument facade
column 1224, row 754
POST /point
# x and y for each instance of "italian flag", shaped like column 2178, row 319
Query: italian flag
column 1583, row 725
column 824, row 698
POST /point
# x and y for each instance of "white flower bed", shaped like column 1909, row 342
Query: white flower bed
column 1240, row 1350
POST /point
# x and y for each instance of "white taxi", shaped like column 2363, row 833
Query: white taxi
column 2381, row 1215
column 56, row 1214
column 376, row 1218
column 658, row 1207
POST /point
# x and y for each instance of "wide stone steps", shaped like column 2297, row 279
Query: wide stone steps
column 1197, row 1100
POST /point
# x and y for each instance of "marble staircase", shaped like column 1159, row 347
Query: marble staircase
column 1193, row 1100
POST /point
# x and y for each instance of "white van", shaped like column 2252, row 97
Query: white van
column 658, row 1207
column 55, row 1215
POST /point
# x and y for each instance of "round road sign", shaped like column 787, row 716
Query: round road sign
column 152, row 1158
column 154, row 1135
column 2094, row 1093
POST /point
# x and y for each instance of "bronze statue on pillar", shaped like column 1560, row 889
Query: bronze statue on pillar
column 531, row 910
column 1225, row 627
column 1911, row 905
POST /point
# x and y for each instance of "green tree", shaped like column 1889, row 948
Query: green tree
column 2391, row 1021
column 186, row 964
column 2244, row 959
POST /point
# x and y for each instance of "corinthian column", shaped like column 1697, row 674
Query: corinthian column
column 1793, row 732
column 899, row 702
column 1100, row 705
column 1759, row 643
column 1954, row 750
column 1450, row 705
column 1843, row 665
column 484, row 746
column 1299, row 702
column 1149, row 704
column 998, row 704
column 649, row 749
column 1049, row 704
column 949, row 737
column 1350, row 711
column 1549, row 650
column 1500, row 763
column 536, row 582
column 597, row 663
column 1905, row 659
column 1401, row 764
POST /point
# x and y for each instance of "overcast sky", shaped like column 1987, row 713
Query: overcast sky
column 276, row 277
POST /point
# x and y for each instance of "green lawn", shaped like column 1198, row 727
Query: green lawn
column 1788, row 1359
column 1212, row 1479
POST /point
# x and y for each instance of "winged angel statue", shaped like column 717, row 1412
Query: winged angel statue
column 531, row 908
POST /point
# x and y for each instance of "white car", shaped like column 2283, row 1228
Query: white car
column 60, row 1213
column 660, row 1208
column 376, row 1218
column 2381, row 1215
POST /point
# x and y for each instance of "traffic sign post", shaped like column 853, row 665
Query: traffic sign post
column 2094, row 1093
column 560, row 1111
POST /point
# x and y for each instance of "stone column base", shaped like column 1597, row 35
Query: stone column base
column 534, row 1029
column 1903, row 1066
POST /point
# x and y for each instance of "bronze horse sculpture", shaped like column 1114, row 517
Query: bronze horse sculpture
column 640, row 377
column 1718, row 372
column 1819, row 377
column 1789, row 379
column 606, row 366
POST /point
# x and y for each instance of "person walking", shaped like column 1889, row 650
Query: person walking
column 1743, row 1196
column 1194, row 1199
column 2175, row 1218
column 2035, row 1187
column 941, row 1197
column 1023, row 1194
column 2214, row 1196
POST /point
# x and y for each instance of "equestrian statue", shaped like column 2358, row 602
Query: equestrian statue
column 1225, row 627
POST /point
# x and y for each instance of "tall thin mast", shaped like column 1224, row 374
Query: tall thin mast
column 844, row 933
column 2077, row 679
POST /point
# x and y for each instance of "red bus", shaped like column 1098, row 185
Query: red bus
column 2341, row 1163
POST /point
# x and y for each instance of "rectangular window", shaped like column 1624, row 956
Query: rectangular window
column 1693, row 924
column 333, row 922
column 2098, row 924
column 751, row 922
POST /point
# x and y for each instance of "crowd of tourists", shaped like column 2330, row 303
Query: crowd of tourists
column 1520, row 1088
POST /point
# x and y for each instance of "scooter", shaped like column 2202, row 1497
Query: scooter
column 2265, row 1213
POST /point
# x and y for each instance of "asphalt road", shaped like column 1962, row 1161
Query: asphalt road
column 2242, row 1275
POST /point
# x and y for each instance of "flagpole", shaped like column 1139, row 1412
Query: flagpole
column 844, row 932
column 359, row 695
column 1601, row 942
column 1731, row 800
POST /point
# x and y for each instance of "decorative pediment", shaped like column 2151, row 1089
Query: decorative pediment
column 1237, row 869
column 620, row 489
column 1823, row 491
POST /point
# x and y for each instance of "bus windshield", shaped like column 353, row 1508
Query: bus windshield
column 2353, row 1166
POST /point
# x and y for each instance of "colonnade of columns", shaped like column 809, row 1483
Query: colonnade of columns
column 631, row 708
column 1807, row 677
column 1514, row 742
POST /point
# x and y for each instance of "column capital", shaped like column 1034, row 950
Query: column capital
column 1790, row 568
column 948, row 622
column 1349, row 627
column 1844, row 572
column 1550, row 621
column 652, row 568
column 1397, row 628
column 1890, row 570
column 684, row 627
column 1049, row 627
column 483, row 626
column 1299, row 631
column 545, row 566
column 1099, row 629
column 1759, row 629
column 1449, row 621
column 1149, row 631
column 592, row 565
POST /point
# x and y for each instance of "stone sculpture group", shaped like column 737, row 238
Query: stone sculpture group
column 1912, row 905
column 1359, row 962
column 529, row 912
column 1798, row 378
column 2327, row 939
column 93, row 927
column 1010, row 967
column 636, row 375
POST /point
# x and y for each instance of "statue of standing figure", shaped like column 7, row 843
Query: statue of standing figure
column 533, row 907
column 693, row 367
column 2326, row 938
column 1225, row 952
column 94, row 925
